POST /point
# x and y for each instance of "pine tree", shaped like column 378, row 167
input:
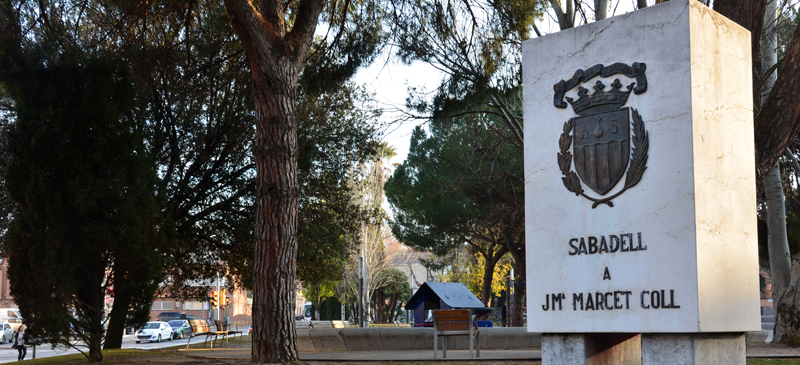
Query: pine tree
column 83, row 191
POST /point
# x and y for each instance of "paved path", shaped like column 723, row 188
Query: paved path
column 379, row 356
column 7, row 354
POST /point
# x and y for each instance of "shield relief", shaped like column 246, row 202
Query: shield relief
column 605, row 140
column 601, row 146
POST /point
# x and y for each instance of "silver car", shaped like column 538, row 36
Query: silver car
column 154, row 332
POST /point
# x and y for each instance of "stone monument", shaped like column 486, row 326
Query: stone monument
column 640, row 189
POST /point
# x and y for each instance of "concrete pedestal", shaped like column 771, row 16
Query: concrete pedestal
column 694, row 348
column 643, row 349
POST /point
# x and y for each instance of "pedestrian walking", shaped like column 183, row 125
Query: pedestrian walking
column 19, row 343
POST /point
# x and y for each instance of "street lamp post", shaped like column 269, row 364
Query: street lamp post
column 360, row 292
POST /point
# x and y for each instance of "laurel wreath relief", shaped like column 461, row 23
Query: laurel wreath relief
column 637, row 166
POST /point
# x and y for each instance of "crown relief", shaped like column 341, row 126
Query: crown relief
column 600, row 100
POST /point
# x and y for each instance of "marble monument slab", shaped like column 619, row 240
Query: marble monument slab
column 640, row 186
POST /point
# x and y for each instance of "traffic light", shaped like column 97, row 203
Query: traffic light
column 213, row 299
column 227, row 301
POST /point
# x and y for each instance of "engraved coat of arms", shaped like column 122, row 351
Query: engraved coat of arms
column 603, row 147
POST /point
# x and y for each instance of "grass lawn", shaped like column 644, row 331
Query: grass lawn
column 130, row 356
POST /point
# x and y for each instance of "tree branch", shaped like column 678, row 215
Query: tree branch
column 302, row 33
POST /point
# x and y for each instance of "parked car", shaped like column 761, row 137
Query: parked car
column 8, row 333
column 171, row 316
column 168, row 316
column 180, row 328
column 249, row 330
column 155, row 331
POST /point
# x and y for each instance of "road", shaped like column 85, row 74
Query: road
column 7, row 354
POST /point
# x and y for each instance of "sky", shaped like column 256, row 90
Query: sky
column 390, row 80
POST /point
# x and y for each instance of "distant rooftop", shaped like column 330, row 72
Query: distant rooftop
column 455, row 295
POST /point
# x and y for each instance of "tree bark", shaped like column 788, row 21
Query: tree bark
column 90, row 305
column 517, row 250
column 492, row 258
column 778, row 246
column 116, row 321
column 747, row 13
column 600, row 9
column 778, row 122
column 275, row 56
column 787, row 314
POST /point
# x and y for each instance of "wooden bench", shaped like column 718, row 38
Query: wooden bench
column 455, row 322
column 199, row 328
column 226, row 331
column 220, row 332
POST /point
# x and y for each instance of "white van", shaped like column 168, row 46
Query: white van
column 12, row 316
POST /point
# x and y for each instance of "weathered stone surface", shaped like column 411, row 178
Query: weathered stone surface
column 362, row 339
column 330, row 339
column 303, row 339
column 509, row 338
column 403, row 338
column 757, row 336
column 694, row 349
column 592, row 349
column 720, row 348
column 613, row 349
column 563, row 349
column 694, row 203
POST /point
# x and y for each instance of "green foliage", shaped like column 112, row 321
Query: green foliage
column 82, row 185
column 468, row 269
column 354, row 35
column 336, row 134
column 331, row 310
column 478, row 44
column 462, row 183
column 194, row 107
column 393, row 290
column 457, row 183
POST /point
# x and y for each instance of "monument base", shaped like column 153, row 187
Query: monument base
column 644, row 349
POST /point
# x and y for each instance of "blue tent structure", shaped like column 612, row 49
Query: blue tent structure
column 431, row 295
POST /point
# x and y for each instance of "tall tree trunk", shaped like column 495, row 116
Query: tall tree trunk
column 600, row 9
column 116, row 320
column 517, row 250
column 777, row 241
column 778, row 246
column 392, row 305
column 90, row 298
column 275, row 55
column 275, row 264
column 492, row 258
